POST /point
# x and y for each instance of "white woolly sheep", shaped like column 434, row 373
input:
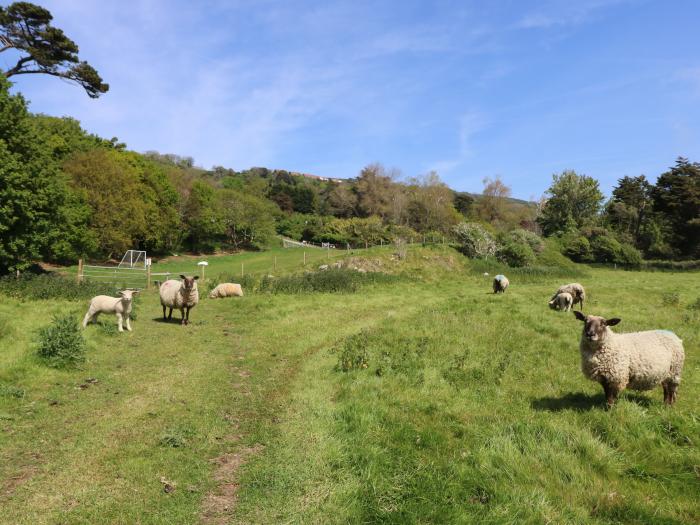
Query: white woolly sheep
column 182, row 295
column 562, row 301
column 104, row 304
column 500, row 283
column 226, row 290
column 636, row 360
column 576, row 291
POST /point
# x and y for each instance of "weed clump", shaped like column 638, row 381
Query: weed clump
column 61, row 344
column 175, row 438
column 671, row 299
column 353, row 354
column 11, row 391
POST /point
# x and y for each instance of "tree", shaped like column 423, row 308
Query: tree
column 341, row 201
column 374, row 190
column 248, row 220
column 630, row 206
column 574, row 200
column 463, row 203
column 203, row 216
column 492, row 206
column 677, row 196
column 431, row 205
column 26, row 28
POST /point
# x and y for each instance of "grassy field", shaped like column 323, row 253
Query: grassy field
column 459, row 407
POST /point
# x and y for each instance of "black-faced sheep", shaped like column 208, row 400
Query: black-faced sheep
column 500, row 284
column 636, row 360
column 182, row 295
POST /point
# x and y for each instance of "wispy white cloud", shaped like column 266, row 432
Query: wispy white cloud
column 469, row 125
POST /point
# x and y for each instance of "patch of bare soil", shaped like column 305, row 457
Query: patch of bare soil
column 219, row 504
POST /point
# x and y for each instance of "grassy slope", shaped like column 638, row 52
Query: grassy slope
column 478, row 413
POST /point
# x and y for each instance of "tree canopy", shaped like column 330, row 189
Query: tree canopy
column 26, row 29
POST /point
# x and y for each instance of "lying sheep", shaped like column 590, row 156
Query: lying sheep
column 182, row 295
column 226, row 290
column 576, row 291
column 500, row 283
column 104, row 304
column 636, row 360
column 562, row 301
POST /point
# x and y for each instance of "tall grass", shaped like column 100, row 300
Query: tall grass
column 51, row 286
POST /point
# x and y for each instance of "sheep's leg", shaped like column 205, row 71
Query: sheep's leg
column 187, row 318
column 670, row 390
column 87, row 318
column 128, row 323
column 182, row 313
column 611, row 393
column 164, row 317
column 119, row 322
column 170, row 314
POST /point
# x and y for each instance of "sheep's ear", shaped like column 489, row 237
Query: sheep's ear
column 580, row 316
column 195, row 277
column 120, row 294
column 182, row 277
column 134, row 292
column 612, row 322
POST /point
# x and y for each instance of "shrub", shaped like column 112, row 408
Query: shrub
column 577, row 249
column 629, row 255
column 474, row 241
column 534, row 241
column 334, row 280
column 606, row 249
column 51, row 286
column 516, row 254
column 61, row 343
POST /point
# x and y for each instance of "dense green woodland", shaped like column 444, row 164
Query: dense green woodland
column 65, row 194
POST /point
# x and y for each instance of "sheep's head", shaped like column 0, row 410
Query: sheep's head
column 127, row 295
column 189, row 282
column 552, row 304
column 594, row 328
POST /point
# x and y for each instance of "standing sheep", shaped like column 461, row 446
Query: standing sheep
column 182, row 295
column 562, row 301
column 226, row 290
column 500, row 283
column 104, row 304
column 638, row 360
column 576, row 291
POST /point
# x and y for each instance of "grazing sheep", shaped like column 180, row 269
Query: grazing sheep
column 226, row 290
column 576, row 291
column 500, row 283
column 562, row 301
column 636, row 360
column 104, row 304
column 182, row 295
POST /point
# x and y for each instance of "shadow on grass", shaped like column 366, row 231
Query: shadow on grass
column 580, row 402
column 167, row 321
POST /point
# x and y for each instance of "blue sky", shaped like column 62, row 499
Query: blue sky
column 469, row 89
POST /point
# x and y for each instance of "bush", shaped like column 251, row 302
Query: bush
column 577, row 249
column 51, row 286
column 474, row 241
column 516, row 254
column 534, row 241
column 61, row 343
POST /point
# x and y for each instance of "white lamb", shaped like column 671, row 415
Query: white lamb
column 182, row 295
column 104, row 304
column 226, row 290
column 636, row 360
column 562, row 301
column 576, row 291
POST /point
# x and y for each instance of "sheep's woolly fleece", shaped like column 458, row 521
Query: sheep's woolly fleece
column 226, row 290
column 173, row 294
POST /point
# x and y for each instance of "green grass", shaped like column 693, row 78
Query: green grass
column 470, row 407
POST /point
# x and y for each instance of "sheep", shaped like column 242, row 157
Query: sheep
column 500, row 283
column 562, row 301
column 636, row 360
column 576, row 291
column 182, row 295
column 226, row 290
column 104, row 304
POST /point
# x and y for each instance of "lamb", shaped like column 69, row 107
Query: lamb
column 500, row 283
column 104, row 304
column 226, row 290
column 562, row 301
column 636, row 360
column 576, row 291
column 182, row 295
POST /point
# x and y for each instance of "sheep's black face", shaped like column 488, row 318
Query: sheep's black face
column 595, row 327
column 188, row 282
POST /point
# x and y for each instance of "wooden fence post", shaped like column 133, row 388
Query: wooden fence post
column 148, row 277
column 304, row 258
column 242, row 270
column 80, row 270
column 274, row 264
